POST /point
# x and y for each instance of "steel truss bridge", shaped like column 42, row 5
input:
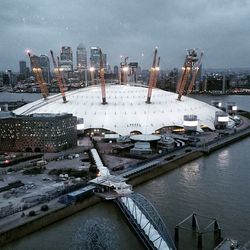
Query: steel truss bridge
column 146, row 221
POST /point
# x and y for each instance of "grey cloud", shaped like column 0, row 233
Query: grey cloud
column 129, row 27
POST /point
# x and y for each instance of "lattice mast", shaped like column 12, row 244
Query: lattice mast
column 36, row 68
column 153, row 76
column 187, row 72
column 194, row 74
column 58, row 77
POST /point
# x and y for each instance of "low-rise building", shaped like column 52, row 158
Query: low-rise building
column 38, row 132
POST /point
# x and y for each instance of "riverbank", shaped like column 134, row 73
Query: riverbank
column 23, row 226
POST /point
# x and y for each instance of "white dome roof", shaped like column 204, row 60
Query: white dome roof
column 126, row 110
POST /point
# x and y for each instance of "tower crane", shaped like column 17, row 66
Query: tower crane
column 187, row 72
column 58, row 76
column 35, row 65
column 102, row 78
column 153, row 76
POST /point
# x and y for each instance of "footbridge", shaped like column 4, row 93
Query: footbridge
column 146, row 221
column 139, row 212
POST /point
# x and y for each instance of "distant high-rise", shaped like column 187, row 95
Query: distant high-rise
column 66, row 53
column 95, row 57
column 36, row 60
column 12, row 77
column 43, row 63
column 105, row 61
column 81, row 57
column 66, row 57
column 27, row 72
column 198, row 79
column 22, row 68
column 116, row 70
column 45, row 66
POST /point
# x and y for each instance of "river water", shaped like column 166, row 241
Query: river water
column 216, row 186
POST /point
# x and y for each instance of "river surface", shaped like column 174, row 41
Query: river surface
column 217, row 186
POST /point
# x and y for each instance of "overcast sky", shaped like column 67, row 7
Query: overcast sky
column 221, row 28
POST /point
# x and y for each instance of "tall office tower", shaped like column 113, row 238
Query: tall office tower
column 12, row 77
column 105, row 61
column 22, row 68
column 81, row 57
column 66, row 53
column 116, row 70
column 198, row 79
column 45, row 66
column 1, row 79
column 66, row 57
column 36, row 60
column 27, row 72
column 95, row 57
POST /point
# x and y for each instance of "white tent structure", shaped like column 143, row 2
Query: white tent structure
column 127, row 110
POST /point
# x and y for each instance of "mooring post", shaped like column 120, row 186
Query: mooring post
column 176, row 235
column 199, row 241
column 194, row 224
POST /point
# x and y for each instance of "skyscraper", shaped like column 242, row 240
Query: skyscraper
column 22, row 68
column 66, row 57
column 81, row 57
column 42, row 62
column 95, row 57
column 198, row 79
column 116, row 70
column 35, row 64
column 45, row 66
column 66, row 53
column 105, row 61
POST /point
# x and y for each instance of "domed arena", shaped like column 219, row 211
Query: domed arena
column 126, row 110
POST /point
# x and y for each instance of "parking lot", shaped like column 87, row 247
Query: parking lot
column 37, row 186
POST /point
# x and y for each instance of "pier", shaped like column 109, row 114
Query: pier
column 141, row 215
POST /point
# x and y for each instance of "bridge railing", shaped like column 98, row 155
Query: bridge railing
column 153, row 216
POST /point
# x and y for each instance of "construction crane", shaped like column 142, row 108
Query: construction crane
column 153, row 76
column 35, row 65
column 194, row 74
column 124, row 70
column 58, row 77
column 102, row 78
column 187, row 72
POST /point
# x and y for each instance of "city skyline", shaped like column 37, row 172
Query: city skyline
column 133, row 29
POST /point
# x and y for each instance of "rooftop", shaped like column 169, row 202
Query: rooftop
column 127, row 110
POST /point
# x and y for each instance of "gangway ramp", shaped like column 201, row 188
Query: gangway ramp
column 103, row 170
column 146, row 221
column 104, row 178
